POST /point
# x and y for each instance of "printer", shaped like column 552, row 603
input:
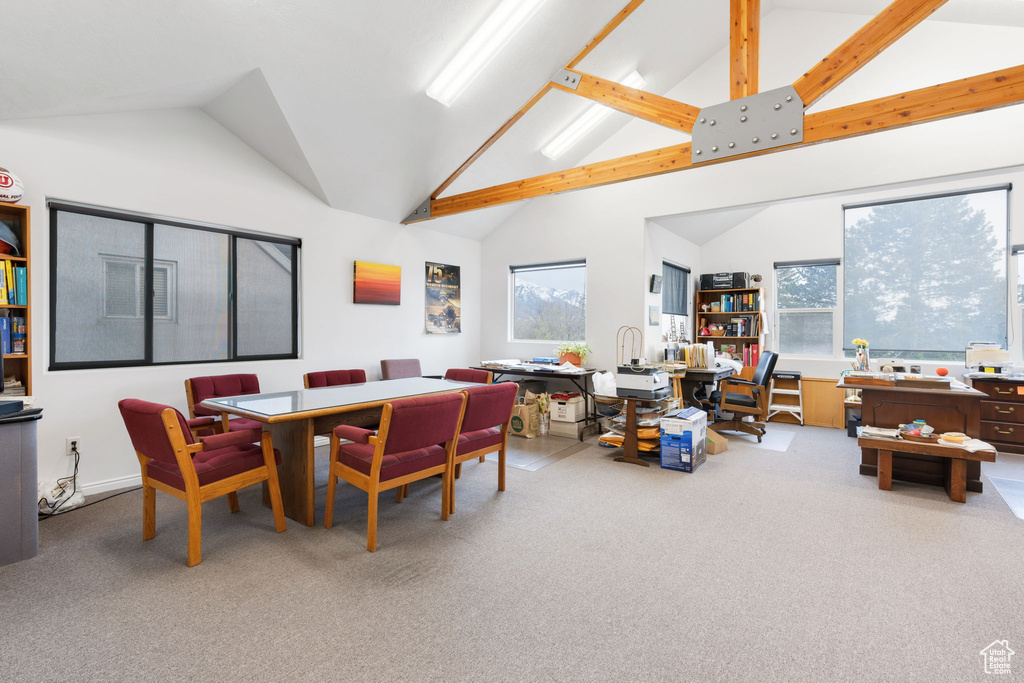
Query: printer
column 641, row 381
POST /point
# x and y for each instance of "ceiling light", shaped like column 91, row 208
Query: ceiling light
column 477, row 53
column 586, row 123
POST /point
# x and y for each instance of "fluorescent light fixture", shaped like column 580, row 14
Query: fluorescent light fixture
column 481, row 48
column 586, row 123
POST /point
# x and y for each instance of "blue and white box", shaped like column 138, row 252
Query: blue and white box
column 683, row 434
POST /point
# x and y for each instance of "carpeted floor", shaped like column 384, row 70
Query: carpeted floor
column 760, row 566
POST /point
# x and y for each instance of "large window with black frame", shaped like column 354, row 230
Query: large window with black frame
column 130, row 289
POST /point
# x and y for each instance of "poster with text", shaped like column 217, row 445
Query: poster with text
column 443, row 299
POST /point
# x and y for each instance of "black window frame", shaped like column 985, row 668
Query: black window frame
column 149, row 221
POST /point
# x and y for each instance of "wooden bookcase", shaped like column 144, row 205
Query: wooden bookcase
column 714, row 300
column 19, row 365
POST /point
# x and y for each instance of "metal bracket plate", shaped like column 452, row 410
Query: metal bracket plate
column 420, row 213
column 763, row 121
column 566, row 79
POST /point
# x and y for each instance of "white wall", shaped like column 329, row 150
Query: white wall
column 662, row 245
column 181, row 163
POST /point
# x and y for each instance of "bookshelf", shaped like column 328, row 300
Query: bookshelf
column 18, row 365
column 741, row 312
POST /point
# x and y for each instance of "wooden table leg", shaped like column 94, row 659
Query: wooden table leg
column 295, row 441
column 956, row 482
column 630, row 449
column 885, row 470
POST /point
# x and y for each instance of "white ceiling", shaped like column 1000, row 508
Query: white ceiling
column 333, row 92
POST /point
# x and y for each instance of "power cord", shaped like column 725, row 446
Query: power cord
column 113, row 495
column 62, row 485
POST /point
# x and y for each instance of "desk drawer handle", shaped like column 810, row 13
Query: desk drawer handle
column 1000, row 431
column 1008, row 392
column 1004, row 412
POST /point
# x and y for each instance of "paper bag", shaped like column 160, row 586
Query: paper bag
column 525, row 420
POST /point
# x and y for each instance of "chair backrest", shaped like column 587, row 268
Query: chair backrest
column 765, row 367
column 332, row 378
column 468, row 375
column 216, row 386
column 488, row 406
column 395, row 368
column 422, row 421
column 146, row 428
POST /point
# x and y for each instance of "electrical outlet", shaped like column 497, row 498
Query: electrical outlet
column 72, row 443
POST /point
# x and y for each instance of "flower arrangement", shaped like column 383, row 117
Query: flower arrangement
column 573, row 348
column 861, row 361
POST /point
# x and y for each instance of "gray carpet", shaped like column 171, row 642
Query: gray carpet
column 760, row 566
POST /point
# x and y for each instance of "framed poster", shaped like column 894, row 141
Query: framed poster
column 654, row 315
column 443, row 304
column 376, row 283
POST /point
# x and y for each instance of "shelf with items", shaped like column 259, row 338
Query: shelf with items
column 16, row 316
column 738, row 314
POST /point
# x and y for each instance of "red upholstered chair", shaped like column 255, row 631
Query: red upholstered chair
column 174, row 463
column 469, row 375
column 198, row 389
column 396, row 368
column 333, row 378
column 484, row 428
column 416, row 440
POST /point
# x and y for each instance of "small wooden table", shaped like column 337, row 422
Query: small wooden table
column 956, row 473
column 630, row 445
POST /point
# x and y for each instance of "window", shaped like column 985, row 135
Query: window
column 806, row 309
column 138, row 290
column 549, row 302
column 124, row 288
column 674, row 289
column 924, row 276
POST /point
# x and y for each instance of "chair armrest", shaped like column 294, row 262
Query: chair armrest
column 230, row 439
column 200, row 422
column 739, row 381
column 356, row 434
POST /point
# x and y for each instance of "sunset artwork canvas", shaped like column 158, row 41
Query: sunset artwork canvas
column 376, row 283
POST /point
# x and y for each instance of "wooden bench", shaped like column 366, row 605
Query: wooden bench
column 956, row 477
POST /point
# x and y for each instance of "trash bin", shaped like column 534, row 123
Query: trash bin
column 19, row 506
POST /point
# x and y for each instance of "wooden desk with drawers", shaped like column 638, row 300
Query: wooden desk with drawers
column 1002, row 412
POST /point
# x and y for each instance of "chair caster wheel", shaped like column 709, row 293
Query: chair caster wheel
column 759, row 439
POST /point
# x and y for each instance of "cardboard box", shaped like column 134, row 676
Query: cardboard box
column 716, row 442
column 572, row 410
column 683, row 439
column 569, row 430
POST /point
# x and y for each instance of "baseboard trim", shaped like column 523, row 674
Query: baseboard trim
column 131, row 481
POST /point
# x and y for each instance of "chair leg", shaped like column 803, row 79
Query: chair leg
column 195, row 532
column 482, row 458
column 501, row 468
column 233, row 501
column 332, row 484
column 273, row 484
column 371, row 521
column 399, row 493
column 458, row 471
column 447, row 493
column 148, row 512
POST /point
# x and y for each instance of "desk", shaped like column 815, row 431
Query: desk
column 686, row 385
column 293, row 417
column 581, row 380
column 947, row 410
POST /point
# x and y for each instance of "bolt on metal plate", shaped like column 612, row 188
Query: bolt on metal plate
column 763, row 121
column 566, row 79
column 421, row 212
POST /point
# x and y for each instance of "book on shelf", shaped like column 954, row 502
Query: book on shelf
column 21, row 285
column 18, row 334
column 5, row 334
column 11, row 286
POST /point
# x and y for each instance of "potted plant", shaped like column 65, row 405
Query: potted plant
column 572, row 352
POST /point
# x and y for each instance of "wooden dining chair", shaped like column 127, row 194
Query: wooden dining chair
column 469, row 375
column 740, row 404
column 333, row 378
column 484, row 428
column 198, row 389
column 417, row 439
column 173, row 462
column 397, row 368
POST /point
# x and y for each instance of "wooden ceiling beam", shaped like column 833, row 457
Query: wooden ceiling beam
column 744, row 47
column 639, row 103
column 966, row 95
column 587, row 49
column 883, row 30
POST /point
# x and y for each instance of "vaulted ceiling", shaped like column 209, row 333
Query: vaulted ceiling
column 333, row 92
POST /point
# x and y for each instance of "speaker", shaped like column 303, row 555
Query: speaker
column 725, row 281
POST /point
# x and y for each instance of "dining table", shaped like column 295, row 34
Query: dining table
column 294, row 417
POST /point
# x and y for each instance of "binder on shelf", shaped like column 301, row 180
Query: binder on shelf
column 21, row 285
column 11, row 291
column 3, row 286
column 5, row 334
